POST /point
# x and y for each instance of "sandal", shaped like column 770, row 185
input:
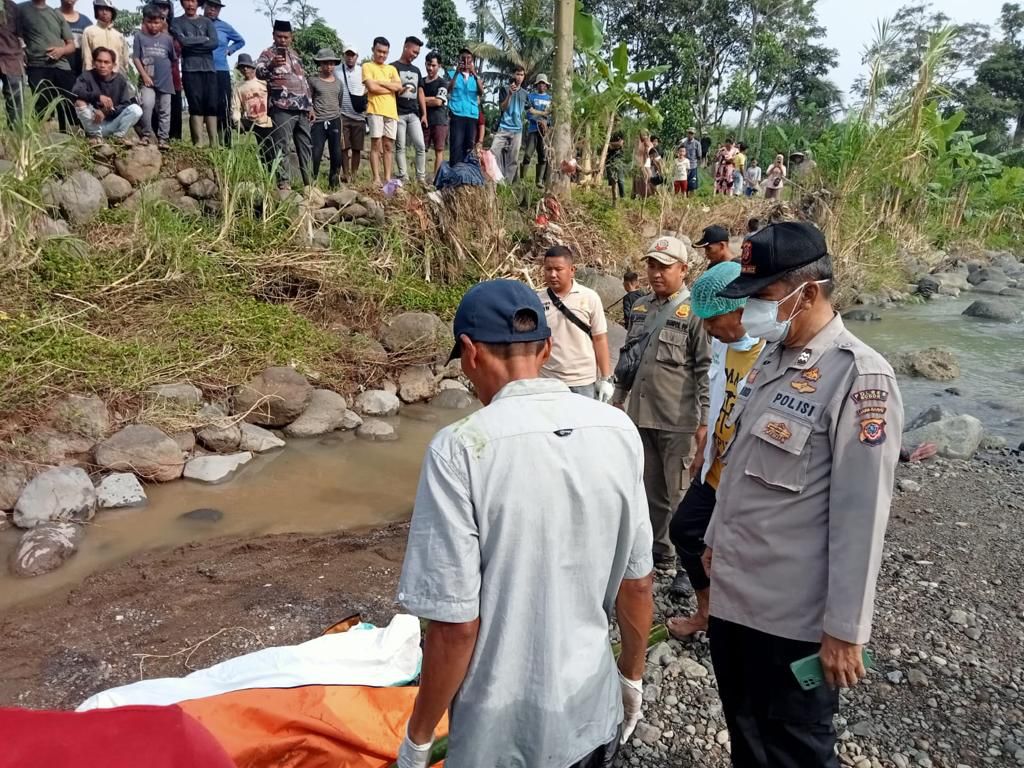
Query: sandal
column 685, row 627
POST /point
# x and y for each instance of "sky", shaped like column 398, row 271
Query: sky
column 850, row 25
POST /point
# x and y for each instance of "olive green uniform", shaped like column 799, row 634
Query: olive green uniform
column 668, row 402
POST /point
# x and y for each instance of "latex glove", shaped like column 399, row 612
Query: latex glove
column 632, row 699
column 412, row 755
column 604, row 390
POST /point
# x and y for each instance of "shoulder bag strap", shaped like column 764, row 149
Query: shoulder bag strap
column 569, row 313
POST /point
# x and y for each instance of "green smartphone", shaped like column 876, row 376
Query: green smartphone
column 810, row 675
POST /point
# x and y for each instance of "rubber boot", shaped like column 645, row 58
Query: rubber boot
column 195, row 127
column 682, row 628
column 211, row 131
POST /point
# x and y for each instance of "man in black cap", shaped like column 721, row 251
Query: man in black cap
column 795, row 542
column 715, row 242
column 291, row 104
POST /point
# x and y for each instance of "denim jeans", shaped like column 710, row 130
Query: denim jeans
column 115, row 126
column 505, row 148
column 160, row 103
column 410, row 131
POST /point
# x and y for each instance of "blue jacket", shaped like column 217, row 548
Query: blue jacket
column 230, row 43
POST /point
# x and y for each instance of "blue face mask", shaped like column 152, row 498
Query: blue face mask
column 742, row 345
column 761, row 317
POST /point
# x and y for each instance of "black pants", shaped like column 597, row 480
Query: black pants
column 176, row 110
column 536, row 145
column 602, row 757
column 327, row 132
column 292, row 128
column 461, row 138
column 687, row 529
column 53, row 85
column 773, row 723
column 264, row 142
column 224, row 107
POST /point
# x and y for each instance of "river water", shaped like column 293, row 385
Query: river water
column 337, row 483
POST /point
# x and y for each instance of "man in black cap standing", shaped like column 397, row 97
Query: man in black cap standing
column 715, row 242
column 291, row 104
column 795, row 542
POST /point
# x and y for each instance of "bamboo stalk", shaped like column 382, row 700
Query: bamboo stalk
column 658, row 634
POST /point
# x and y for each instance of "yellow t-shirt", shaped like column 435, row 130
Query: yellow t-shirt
column 383, row 104
column 739, row 161
column 737, row 366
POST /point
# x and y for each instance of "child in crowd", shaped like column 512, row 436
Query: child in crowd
column 631, row 284
column 326, row 131
column 682, row 171
column 154, row 56
column 615, row 167
column 752, row 178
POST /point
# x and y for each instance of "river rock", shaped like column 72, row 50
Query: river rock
column 608, row 287
column 216, row 469
column 377, row 402
column 956, row 437
column 46, row 445
column 118, row 189
column 47, row 227
column 204, row 189
column 952, row 280
column 45, row 548
column 375, row 429
column 220, row 432
column 203, row 515
column 342, row 198
column 861, row 315
column 187, row 176
column 416, row 384
column 58, row 494
column 368, row 351
column 988, row 274
column 929, row 416
column 185, row 440
column 325, row 413
column 325, row 216
column 452, row 384
column 1014, row 293
column 990, row 287
column 353, row 212
column 85, row 415
column 275, row 398
column 14, row 476
column 453, row 399
column 144, row 450
column 140, row 164
column 418, row 337
column 258, row 440
column 81, row 197
column 351, row 420
column 935, row 363
column 993, row 309
column 180, row 394
column 122, row 489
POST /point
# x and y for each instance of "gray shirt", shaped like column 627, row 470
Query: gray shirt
column 803, row 503
column 529, row 514
column 326, row 98
column 693, row 151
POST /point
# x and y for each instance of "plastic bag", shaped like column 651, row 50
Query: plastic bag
column 491, row 167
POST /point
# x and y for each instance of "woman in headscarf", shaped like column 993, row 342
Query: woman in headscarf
column 725, row 168
column 775, row 178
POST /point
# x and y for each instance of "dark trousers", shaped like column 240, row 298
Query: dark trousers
column 687, row 529
column 291, row 127
column 224, row 107
column 13, row 96
column 461, row 138
column 773, row 723
column 53, row 85
column 327, row 132
column 264, row 142
column 176, row 110
column 536, row 145
column 602, row 757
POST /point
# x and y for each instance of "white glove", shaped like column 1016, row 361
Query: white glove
column 604, row 389
column 412, row 755
column 632, row 699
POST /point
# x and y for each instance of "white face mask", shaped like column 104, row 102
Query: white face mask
column 761, row 317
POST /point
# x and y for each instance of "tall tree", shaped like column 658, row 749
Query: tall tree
column 445, row 30
column 310, row 39
column 1002, row 74
column 519, row 33
column 303, row 13
column 565, row 14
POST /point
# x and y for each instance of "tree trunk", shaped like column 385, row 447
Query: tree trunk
column 1018, row 134
column 607, row 142
column 559, row 184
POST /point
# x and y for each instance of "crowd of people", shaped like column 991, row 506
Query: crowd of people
column 751, row 448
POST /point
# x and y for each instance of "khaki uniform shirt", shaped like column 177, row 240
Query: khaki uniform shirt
column 803, row 503
column 572, row 360
column 670, row 391
column 97, row 37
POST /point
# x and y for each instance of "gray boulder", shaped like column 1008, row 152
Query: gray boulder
column 58, row 494
column 118, row 189
column 990, row 287
column 275, row 398
column 367, row 351
column 935, row 363
column 353, row 212
column 220, row 433
column 140, row 164
column 81, row 197
column 187, row 177
column 180, row 394
column 85, row 415
column 47, row 227
column 947, row 280
column 325, row 413
column 204, row 189
column 325, row 216
column 144, row 450
column 417, row 337
column 258, row 440
column 861, row 315
column 1015, row 293
column 608, row 287
column 453, row 399
column 992, row 309
column 956, row 437
column 986, row 274
column 376, row 430
column 46, row 445
column 351, row 420
column 416, row 384
column 342, row 198
column 377, row 402
column 14, row 476
column 216, row 469
column 929, row 416
column 121, row 489
column 45, row 548
column 185, row 440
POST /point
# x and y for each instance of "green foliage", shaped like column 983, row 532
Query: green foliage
column 445, row 30
column 310, row 39
column 517, row 33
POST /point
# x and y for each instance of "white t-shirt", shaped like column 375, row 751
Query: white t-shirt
column 682, row 169
column 572, row 358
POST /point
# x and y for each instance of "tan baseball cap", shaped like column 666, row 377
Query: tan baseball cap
column 668, row 250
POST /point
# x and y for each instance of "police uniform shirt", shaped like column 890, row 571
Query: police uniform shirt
column 803, row 504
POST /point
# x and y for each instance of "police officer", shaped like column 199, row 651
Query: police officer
column 795, row 541
column 668, row 397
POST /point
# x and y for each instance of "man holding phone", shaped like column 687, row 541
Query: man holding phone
column 509, row 139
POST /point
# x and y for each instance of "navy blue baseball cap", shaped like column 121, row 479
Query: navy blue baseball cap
column 487, row 311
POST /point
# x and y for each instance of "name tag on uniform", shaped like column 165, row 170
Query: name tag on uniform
column 798, row 406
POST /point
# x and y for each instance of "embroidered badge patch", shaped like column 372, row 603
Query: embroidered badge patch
column 777, row 430
column 872, row 431
column 864, row 395
column 805, row 356
column 803, row 387
column 747, row 266
column 811, row 374
column 752, row 376
column 683, row 311
column 662, row 245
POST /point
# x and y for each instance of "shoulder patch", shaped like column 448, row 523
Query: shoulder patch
column 639, row 309
column 872, row 431
column 683, row 311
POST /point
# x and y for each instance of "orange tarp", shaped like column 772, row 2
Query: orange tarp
column 315, row 726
